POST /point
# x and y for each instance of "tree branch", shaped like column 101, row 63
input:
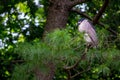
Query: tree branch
column 73, row 66
column 102, row 9
column 68, row 68
column 88, row 17
column 80, row 72
column 81, row 13
column 75, row 2
column 18, row 61
column 69, row 75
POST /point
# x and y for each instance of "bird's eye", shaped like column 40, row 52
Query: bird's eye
column 79, row 23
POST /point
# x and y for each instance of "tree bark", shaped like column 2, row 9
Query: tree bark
column 58, row 12
column 57, row 15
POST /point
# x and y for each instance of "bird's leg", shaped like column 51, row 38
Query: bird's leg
column 86, row 49
column 88, row 46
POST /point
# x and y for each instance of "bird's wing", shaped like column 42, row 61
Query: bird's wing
column 92, row 33
column 83, row 26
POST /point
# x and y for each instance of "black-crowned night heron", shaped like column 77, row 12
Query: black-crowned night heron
column 86, row 27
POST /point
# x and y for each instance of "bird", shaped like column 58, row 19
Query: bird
column 89, row 33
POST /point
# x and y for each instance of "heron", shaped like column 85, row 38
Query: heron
column 88, row 30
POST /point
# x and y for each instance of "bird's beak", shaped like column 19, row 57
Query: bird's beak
column 78, row 23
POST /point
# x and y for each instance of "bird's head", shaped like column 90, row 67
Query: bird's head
column 80, row 21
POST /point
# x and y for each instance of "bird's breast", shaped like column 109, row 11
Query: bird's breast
column 87, row 38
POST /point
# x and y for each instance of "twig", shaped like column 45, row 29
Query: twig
column 68, row 68
column 73, row 66
column 18, row 61
column 80, row 73
column 69, row 74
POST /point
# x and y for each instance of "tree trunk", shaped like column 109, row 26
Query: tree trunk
column 57, row 15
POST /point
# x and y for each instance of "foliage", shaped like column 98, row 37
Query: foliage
column 60, row 48
column 24, row 21
column 38, row 54
column 17, row 24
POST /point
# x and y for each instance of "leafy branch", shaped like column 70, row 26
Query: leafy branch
column 68, row 68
